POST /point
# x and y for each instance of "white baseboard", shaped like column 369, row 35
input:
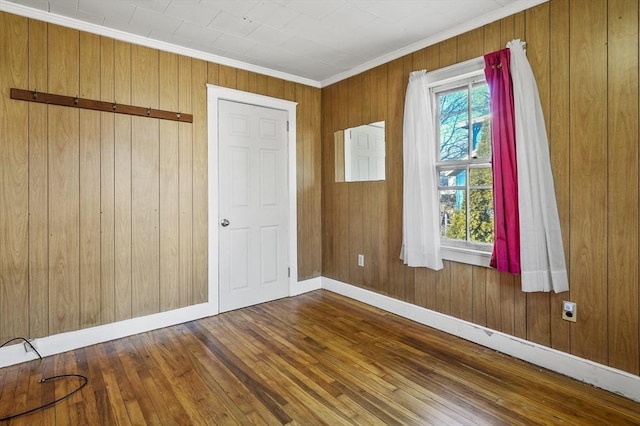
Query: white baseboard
column 58, row 343
column 64, row 342
column 307, row 286
column 599, row 375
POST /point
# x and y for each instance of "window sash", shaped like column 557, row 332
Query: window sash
column 477, row 250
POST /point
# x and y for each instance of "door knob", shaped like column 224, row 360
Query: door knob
column 224, row 223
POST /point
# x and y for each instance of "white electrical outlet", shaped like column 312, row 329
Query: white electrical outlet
column 569, row 311
column 361, row 260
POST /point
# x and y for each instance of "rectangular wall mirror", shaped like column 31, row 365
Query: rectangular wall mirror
column 360, row 153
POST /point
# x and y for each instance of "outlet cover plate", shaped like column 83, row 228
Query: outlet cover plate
column 569, row 311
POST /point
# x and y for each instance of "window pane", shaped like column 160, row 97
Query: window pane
column 480, row 177
column 481, row 142
column 453, row 177
column 481, row 117
column 480, row 100
column 481, row 216
column 453, row 215
column 454, row 124
column 463, row 120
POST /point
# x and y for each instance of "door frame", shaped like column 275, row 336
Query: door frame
column 214, row 95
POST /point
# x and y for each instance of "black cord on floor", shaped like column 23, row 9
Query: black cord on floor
column 49, row 404
column 25, row 341
column 44, row 380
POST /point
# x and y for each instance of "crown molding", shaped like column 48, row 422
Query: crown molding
column 52, row 18
column 456, row 30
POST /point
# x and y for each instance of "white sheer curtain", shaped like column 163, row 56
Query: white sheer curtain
column 541, row 253
column 420, row 218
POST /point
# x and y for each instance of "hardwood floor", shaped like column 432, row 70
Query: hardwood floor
column 317, row 358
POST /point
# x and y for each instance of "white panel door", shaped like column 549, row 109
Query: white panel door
column 364, row 153
column 253, row 205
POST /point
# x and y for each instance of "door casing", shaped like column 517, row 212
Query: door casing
column 214, row 94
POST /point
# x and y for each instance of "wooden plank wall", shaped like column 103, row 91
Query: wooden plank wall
column 103, row 217
column 585, row 59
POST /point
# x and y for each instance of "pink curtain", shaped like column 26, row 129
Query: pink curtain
column 506, row 248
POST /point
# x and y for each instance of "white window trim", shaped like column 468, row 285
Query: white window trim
column 463, row 255
column 457, row 71
column 440, row 78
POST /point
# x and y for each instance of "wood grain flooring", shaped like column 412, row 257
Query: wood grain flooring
column 318, row 358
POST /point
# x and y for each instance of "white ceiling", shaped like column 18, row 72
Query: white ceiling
column 316, row 41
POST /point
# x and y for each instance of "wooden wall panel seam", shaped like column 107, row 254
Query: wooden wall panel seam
column 38, row 195
column 622, row 224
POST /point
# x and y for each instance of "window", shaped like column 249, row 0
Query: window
column 463, row 143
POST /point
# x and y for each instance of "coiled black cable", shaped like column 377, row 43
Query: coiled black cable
column 43, row 380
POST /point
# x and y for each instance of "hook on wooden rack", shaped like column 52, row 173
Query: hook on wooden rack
column 35, row 93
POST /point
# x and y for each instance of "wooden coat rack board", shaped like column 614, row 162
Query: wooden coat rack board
column 76, row 102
